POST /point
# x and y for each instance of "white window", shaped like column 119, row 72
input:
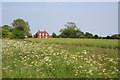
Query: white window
column 40, row 34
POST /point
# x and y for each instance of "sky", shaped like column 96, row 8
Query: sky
column 95, row 17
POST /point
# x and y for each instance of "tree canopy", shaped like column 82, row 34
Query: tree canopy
column 21, row 25
column 88, row 35
column 18, row 29
column 6, row 33
column 6, row 27
column 71, row 31
column 54, row 35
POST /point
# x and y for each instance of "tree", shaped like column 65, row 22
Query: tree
column 22, row 27
column 6, row 27
column 96, row 36
column 80, row 34
column 71, row 25
column 108, row 37
column 17, row 34
column 88, row 35
column 71, row 31
column 115, row 36
column 6, row 33
column 54, row 35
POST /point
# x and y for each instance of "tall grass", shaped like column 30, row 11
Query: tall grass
column 102, row 43
column 24, row 59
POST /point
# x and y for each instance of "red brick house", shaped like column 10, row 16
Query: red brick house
column 41, row 34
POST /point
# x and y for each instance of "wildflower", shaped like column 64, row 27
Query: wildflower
column 84, row 51
column 46, row 58
column 11, row 70
column 111, row 59
column 80, row 66
column 76, row 74
column 104, row 70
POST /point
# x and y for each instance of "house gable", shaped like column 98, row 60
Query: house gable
column 41, row 34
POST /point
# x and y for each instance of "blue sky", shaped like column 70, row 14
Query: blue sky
column 95, row 17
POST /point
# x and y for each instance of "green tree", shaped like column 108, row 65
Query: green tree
column 22, row 27
column 115, row 36
column 17, row 34
column 54, row 35
column 80, row 34
column 108, row 37
column 71, row 25
column 6, row 27
column 88, row 35
column 6, row 33
column 96, row 36
column 71, row 31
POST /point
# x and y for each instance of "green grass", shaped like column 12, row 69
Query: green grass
column 50, row 58
column 102, row 43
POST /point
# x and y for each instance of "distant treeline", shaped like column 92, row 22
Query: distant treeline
column 71, row 31
column 20, row 29
column 115, row 36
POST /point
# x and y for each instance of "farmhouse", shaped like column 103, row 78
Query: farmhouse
column 41, row 34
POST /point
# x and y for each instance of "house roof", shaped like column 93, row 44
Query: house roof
column 43, row 32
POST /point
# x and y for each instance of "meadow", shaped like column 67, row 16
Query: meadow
column 102, row 43
column 59, row 58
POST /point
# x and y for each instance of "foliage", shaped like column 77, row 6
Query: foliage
column 6, row 33
column 18, row 30
column 96, row 36
column 71, row 31
column 9, row 28
column 22, row 27
column 115, row 36
column 108, row 37
column 88, row 35
column 54, row 35
column 17, row 34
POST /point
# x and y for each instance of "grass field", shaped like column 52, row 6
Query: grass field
column 60, row 58
column 102, row 43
